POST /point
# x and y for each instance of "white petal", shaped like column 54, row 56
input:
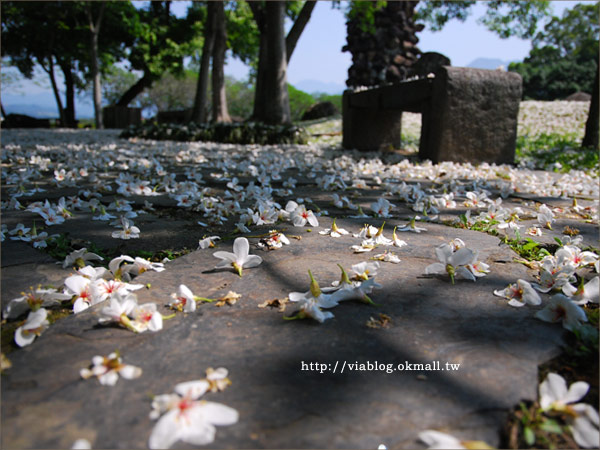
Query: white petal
column 219, row 414
column 80, row 305
column 241, row 248
column 197, row 431
column 15, row 308
column 462, row 257
column 21, row 339
column 130, row 372
column 576, row 392
column 443, row 253
column 81, row 444
column 218, row 374
column 185, row 292
column 297, row 296
column 156, row 322
column 585, row 433
column 435, row 268
column 438, row 440
column 516, row 303
column 76, row 283
column 109, row 378
column 552, row 389
column 252, row 261
column 465, row 273
column 547, row 314
column 194, row 389
column 166, row 431
column 226, row 256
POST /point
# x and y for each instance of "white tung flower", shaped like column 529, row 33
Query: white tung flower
column 240, row 257
column 185, row 418
column 108, row 368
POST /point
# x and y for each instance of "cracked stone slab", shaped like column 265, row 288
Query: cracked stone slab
column 281, row 406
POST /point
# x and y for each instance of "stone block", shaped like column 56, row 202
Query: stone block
column 369, row 128
column 472, row 116
column 121, row 116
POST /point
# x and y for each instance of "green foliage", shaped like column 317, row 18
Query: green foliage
column 242, row 32
column 335, row 99
column 299, row 102
column 364, row 13
column 115, row 82
column 518, row 18
column 231, row 133
column 559, row 153
column 528, row 248
column 240, row 96
column 437, row 13
column 175, row 91
column 564, row 57
column 161, row 40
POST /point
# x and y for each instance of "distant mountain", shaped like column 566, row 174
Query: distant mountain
column 316, row 86
column 488, row 63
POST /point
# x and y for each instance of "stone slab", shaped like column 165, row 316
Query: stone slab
column 280, row 405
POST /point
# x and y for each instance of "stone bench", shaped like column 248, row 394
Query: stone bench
column 468, row 115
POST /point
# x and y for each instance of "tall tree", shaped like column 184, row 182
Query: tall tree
column 564, row 54
column 590, row 139
column 94, row 22
column 277, row 102
column 199, row 110
column 51, row 34
column 219, row 97
column 43, row 33
column 271, row 101
column 161, row 41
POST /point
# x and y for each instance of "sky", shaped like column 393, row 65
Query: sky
column 318, row 59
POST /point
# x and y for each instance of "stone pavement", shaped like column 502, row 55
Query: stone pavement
column 46, row 404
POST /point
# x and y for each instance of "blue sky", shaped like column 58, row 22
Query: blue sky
column 318, row 55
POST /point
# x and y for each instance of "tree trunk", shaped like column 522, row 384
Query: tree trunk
column 219, row 97
column 50, row 71
column 277, row 104
column 94, row 32
column 590, row 140
column 69, row 93
column 258, row 12
column 131, row 93
column 199, row 111
column 385, row 52
column 294, row 34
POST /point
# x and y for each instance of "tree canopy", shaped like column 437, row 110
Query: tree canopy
column 564, row 56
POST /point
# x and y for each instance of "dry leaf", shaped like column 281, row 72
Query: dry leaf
column 383, row 321
column 275, row 303
column 230, row 298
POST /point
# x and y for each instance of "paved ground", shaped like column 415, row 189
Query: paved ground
column 46, row 404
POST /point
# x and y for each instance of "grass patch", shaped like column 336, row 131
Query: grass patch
column 529, row 427
column 60, row 246
column 555, row 152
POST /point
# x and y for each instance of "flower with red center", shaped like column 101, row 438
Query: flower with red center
column 182, row 417
column 561, row 309
column 183, row 299
column 33, row 327
column 519, row 294
column 108, row 368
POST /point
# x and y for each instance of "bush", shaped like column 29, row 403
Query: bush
column 229, row 133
